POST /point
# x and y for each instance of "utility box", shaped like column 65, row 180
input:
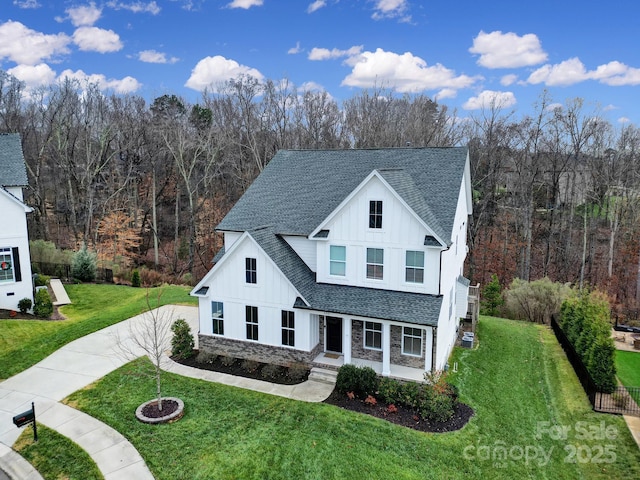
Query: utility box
column 467, row 339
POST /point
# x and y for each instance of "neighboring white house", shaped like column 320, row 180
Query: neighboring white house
column 357, row 254
column 15, row 262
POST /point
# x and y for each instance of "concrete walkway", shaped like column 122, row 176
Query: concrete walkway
column 81, row 363
column 60, row 293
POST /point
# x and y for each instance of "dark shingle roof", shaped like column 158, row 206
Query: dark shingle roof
column 346, row 300
column 13, row 172
column 299, row 188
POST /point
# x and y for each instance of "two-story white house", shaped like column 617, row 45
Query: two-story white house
column 15, row 263
column 354, row 255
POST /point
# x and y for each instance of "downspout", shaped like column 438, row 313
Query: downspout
column 440, row 272
column 434, row 336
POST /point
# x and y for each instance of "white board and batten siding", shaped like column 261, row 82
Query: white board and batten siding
column 401, row 231
column 271, row 294
column 305, row 248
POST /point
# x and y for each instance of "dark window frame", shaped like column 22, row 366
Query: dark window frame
column 288, row 322
column 251, row 317
column 251, row 270
column 375, row 213
column 217, row 320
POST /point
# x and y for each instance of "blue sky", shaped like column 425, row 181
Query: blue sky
column 462, row 53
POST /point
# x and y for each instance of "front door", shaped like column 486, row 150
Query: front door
column 333, row 334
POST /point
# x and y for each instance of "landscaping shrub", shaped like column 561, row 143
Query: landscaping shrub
column 271, row 371
column 84, row 267
column 491, row 297
column 389, row 390
column 206, row 357
column 41, row 280
column 135, row 279
column 534, row 301
column 24, row 305
column 250, row 366
column 436, row 406
column 182, row 342
column 43, row 306
column 297, row 372
column 585, row 320
column 362, row 381
column 227, row 361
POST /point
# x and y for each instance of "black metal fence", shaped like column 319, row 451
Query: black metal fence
column 63, row 271
column 624, row 400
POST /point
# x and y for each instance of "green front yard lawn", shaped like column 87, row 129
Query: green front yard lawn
column 532, row 421
column 23, row 343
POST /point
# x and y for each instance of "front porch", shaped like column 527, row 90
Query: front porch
column 399, row 372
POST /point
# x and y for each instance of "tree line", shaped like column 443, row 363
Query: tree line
column 555, row 191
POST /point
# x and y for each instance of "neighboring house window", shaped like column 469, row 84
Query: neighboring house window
column 375, row 214
column 414, row 272
column 9, row 265
column 412, row 341
column 252, row 323
column 375, row 262
column 288, row 328
column 251, row 270
column 217, row 315
column 337, row 260
column 373, row 335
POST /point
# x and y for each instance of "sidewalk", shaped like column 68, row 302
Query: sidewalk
column 81, row 363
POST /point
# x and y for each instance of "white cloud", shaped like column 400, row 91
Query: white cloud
column 390, row 9
column 616, row 74
column 623, row 120
column 326, row 54
column 490, row 99
column 85, row 15
column 34, row 76
column 311, row 87
column 213, row 71
column 26, row 3
column 507, row 50
column 97, row 40
column 405, row 73
column 317, row 5
column 609, row 107
column 136, row 7
column 508, row 80
column 562, row 74
column 294, row 50
column 246, row 4
column 152, row 56
column 23, row 45
column 124, row 85
column 445, row 93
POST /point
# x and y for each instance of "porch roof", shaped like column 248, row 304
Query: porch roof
column 413, row 308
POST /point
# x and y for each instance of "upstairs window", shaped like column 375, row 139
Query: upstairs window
column 337, row 260
column 217, row 316
column 375, row 263
column 251, row 270
column 375, row 214
column 288, row 328
column 414, row 270
column 252, row 322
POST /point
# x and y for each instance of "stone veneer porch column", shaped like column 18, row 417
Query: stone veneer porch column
column 386, row 349
column 346, row 340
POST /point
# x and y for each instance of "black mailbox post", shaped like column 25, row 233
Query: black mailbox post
column 25, row 418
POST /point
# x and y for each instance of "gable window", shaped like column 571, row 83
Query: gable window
column 373, row 335
column 412, row 341
column 414, row 271
column 251, row 270
column 217, row 316
column 288, row 328
column 375, row 263
column 252, row 322
column 375, row 214
column 337, row 260
column 9, row 265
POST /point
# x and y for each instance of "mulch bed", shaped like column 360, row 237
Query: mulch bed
column 237, row 369
column 168, row 407
column 404, row 416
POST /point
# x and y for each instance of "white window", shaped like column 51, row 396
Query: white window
column 337, row 260
column 375, row 263
column 412, row 341
column 6, row 265
column 373, row 335
column 217, row 316
column 414, row 271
